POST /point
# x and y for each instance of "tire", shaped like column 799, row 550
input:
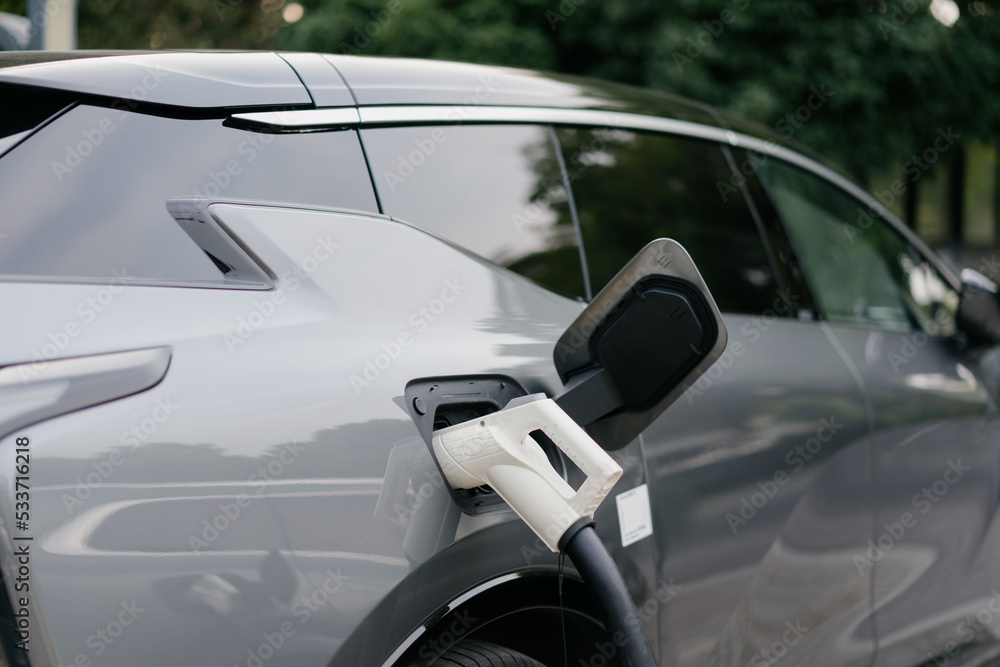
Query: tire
column 474, row 653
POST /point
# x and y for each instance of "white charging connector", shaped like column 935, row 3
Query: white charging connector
column 498, row 450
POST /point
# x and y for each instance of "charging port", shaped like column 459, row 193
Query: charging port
column 437, row 403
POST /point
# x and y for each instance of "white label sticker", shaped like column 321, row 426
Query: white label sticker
column 634, row 516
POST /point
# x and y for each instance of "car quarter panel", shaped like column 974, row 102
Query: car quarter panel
column 238, row 498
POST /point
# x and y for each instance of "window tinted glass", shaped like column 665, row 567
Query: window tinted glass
column 631, row 188
column 495, row 190
column 27, row 107
column 862, row 270
column 24, row 108
column 87, row 194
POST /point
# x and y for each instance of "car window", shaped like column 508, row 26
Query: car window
column 25, row 108
column 632, row 187
column 86, row 195
column 493, row 189
column 863, row 271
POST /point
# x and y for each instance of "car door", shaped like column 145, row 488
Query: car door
column 733, row 458
column 934, row 453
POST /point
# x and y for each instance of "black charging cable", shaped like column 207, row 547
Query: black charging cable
column 600, row 573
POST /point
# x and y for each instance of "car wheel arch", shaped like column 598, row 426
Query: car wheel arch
column 489, row 593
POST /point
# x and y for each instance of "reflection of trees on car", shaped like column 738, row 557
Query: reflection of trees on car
column 631, row 188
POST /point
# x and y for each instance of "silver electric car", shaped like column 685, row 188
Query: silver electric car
column 229, row 281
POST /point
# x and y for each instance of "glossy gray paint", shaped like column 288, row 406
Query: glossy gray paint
column 290, row 379
column 311, row 517
column 34, row 392
column 936, row 543
column 729, row 472
column 195, row 80
column 325, row 85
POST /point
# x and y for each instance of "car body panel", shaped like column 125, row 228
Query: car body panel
column 194, row 80
column 807, row 602
column 35, row 392
column 726, row 492
column 935, row 544
column 325, row 85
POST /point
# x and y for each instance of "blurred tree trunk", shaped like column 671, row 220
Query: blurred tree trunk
column 956, row 196
column 910, row 205
column 996, row 192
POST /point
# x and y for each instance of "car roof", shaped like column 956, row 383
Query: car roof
column 230, row 79
column 231, row 82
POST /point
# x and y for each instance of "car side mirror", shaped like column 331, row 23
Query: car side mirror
column 650, row 333
column 979, row 309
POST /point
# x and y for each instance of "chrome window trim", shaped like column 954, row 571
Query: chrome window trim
column 456, row 114
column 302, row 119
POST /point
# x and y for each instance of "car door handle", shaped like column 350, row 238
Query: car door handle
column 30, row 394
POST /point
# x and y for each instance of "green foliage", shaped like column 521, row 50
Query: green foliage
column 19, row 7
column 895, row 73
column 485, row 31
column 178, row 24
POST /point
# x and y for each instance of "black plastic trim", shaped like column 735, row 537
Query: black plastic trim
column 428, row 401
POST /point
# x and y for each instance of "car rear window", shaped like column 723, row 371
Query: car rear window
column 23, row 108
column 85, row 197
column 493, row 189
